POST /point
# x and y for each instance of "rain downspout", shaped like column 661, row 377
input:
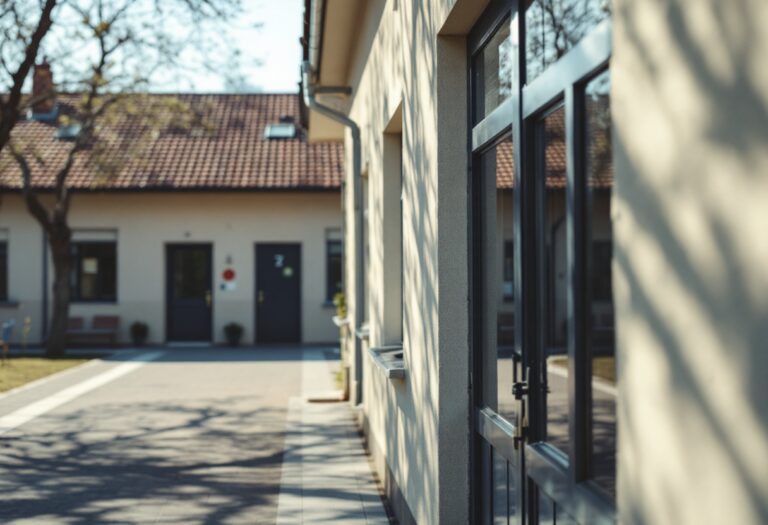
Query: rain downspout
column 308, row 67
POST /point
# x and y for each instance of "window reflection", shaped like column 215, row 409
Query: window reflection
column 553, row 236
column 492, row 69
column 599, row 231
column 552, row 27
column 497, row 193
column 503, row 495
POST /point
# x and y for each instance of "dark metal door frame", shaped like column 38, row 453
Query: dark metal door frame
column 540, row 465
column 169, row 248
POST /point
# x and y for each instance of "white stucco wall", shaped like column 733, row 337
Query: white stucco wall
column 145, row 222
column 690, row 109
column 411, row 57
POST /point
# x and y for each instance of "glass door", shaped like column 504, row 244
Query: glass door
column 544, row 370
column 497, row 358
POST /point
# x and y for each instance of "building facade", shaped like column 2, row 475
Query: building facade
column 230, row 226
column 555, row 272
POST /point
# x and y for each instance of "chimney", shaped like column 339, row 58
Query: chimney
column 43, row 91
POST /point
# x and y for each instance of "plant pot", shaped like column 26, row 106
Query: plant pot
column 233, row 332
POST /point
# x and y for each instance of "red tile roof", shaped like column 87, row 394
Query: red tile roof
column 229, row 151
column 599, row 160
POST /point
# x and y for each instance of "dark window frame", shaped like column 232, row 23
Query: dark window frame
column 4, row 280
column 562, row 82
column 76, row 272
column 331, row 289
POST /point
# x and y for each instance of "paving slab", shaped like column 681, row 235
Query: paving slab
column 186, row 436
column 326, row 477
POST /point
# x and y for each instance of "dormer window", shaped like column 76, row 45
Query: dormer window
column 68, row 131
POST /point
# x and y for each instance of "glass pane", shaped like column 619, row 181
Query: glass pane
column 603, row 350
column 497, row 191
column 492, row 69
column 95, row 264
column 563, row 518
column 366, row 249
column 190, row 275
column 333, row 284
column 3, row 272
column 501, row 490
column 552, row 27
column 546, row 510
column 555, row 297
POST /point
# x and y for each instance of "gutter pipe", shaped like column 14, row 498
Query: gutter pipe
column 308, row 69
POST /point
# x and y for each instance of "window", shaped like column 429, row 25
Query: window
column 509, row 271
column 492, row 68
column 333, row 258
column 94, row 271
column 601, row 259
column 280, row 131
column 366, row 249
column 392, row 232
column 3, row 271
column 552, row 235
column 601, row 351
column 553, row 27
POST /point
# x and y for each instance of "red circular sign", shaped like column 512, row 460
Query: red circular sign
column 228, row 274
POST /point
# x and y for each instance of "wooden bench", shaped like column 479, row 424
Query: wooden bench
column 103, row 328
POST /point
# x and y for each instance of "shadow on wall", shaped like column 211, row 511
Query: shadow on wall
column 408, row 412
column 691, row 155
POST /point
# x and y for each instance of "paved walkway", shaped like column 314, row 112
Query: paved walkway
column 326, row 477
column 204, row 436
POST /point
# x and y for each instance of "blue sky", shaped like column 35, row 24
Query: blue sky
column 275, row 44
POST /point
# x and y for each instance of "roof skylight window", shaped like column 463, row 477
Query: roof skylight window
column 280, row 131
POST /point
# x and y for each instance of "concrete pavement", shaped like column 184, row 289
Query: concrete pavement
column 192, row 436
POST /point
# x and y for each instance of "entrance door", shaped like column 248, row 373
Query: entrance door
column 278, row 293
column 543, row 389
column 189, row 300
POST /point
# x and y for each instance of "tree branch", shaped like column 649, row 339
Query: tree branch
column 10, row 109
column 35, row 207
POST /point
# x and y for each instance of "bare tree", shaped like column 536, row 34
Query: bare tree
column 107, row 52
column 20, row 42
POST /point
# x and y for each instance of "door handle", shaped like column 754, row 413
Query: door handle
column 520, row 390
column 208, row 298
column 261, row 296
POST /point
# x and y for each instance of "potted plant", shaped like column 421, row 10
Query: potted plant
column 139, row 333
column 233, row 332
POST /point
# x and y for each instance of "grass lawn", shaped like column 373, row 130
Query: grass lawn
column 21, row 370
column 603, row 367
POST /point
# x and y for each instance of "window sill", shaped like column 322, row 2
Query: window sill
column 340, row 321
column 93, row 301
column 390, row 361
column 9, row 303
column 363, row 333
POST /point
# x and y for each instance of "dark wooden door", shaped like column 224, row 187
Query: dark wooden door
column 278, row 293
column 189, row 303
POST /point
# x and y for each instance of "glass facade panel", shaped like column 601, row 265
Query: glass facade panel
column 552, row 27
column 492, row 71
column 497, row 192
column 501, row 493
column 555, row 296
column 3, row 271
column 601, row 315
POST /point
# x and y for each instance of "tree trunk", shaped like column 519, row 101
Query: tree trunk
column 59, row 240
